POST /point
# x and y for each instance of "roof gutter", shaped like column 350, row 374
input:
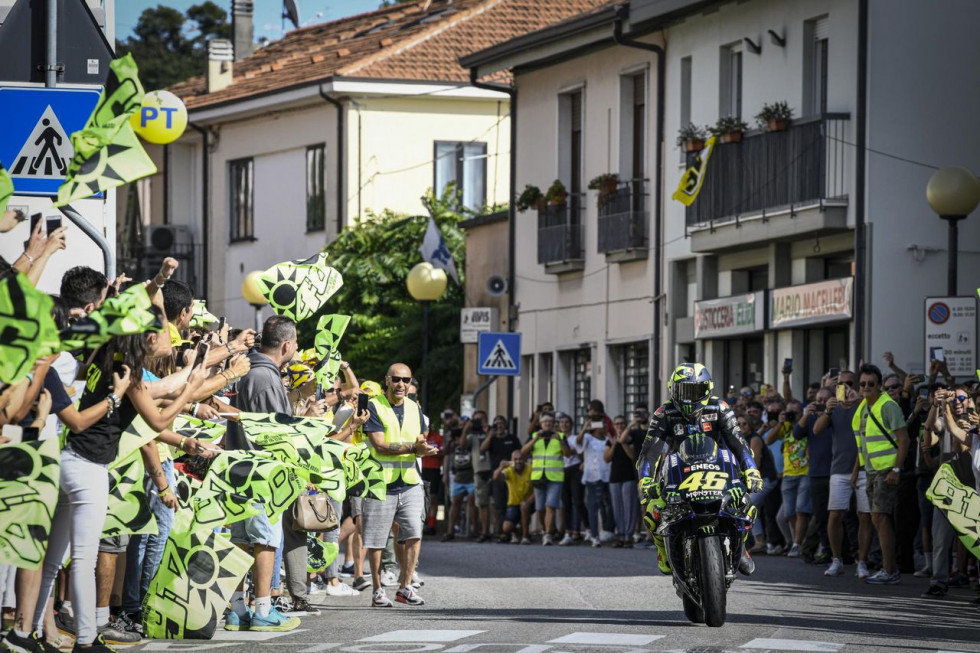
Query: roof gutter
column 861, row 330
column 511, row 221
column 341, row 149
column 658, row 294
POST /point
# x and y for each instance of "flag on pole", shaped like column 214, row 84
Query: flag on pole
column 693, row 178
column 434, row 250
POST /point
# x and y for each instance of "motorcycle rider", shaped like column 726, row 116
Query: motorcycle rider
column 690, row 409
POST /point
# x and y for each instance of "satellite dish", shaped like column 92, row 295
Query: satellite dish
column 496, row 285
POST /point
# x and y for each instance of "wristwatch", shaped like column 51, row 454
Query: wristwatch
column 897, row 470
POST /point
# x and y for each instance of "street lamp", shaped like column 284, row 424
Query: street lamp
column 953, row 192
column 425, row 284
column 251, row 291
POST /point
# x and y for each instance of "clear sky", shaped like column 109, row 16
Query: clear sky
column 267, row 12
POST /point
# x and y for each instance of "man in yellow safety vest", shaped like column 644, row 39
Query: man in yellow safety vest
column 547, row 448
column 882, row 442
column 395, row 434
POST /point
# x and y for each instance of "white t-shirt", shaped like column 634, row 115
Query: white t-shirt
column 596, row 469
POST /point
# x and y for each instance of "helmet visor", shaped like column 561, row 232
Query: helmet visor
column 691, row 391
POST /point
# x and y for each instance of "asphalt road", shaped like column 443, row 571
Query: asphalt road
column 502, row 598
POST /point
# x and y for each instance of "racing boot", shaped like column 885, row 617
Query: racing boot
column 663, row 562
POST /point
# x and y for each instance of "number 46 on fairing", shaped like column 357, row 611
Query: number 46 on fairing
column 704, row 481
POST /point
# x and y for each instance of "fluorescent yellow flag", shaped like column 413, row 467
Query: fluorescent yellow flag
column 693, row 178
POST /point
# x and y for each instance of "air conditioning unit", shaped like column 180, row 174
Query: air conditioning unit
column 168, row 239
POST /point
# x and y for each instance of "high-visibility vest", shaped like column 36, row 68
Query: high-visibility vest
column 547, row 460
column 402, row 466
column 874, row 444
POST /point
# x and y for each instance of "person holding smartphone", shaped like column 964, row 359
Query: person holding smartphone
column 592, row 438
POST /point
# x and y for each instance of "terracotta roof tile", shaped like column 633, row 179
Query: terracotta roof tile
column 421, row 41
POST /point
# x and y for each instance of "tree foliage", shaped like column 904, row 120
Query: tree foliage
column 374, row 255
column 169, row 46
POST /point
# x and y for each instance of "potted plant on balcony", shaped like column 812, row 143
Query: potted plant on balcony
column 530, row 197
column 607, row 183
column 729, row 129
column 556, row 195
column 691, row 137
column 776, row 116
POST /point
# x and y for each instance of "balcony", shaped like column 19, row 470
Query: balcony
column 624, row 223
column 561, row 236
column 774, row 186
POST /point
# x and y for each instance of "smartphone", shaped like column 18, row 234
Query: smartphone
column 598, row 425
column 202, row 353
column 362, row 402
column 924, row 393
column 54, row 223
column 937, row 354
column 14, row 433
column 319, row 393
column 788, row 365
column 841, row 392
column 35, row 218
column 833, row 371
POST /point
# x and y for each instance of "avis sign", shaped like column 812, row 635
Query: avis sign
column 474, row 321
column 951, row 333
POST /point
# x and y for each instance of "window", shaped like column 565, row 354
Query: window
column 242, row 200
column 583, row 384
column 685, row 99
column 464, row 164
column 731, row 81
column 316, row 206
column 815, row 32
column 636, row 376
column 633, row 98
column 570, row 143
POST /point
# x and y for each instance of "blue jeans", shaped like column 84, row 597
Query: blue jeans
column 598, row 500
column 144, row 553
column 625, row 506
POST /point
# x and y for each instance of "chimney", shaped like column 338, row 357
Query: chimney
column 242, row 28
column 220, row 56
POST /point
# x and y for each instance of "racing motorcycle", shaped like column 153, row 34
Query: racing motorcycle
column 703, row 521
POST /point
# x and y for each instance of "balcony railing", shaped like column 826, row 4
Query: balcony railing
column 770, row 171
column 623, row 218
column 560, row 232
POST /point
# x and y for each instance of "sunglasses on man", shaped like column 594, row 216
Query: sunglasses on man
column 893, row 386
column 400, row 379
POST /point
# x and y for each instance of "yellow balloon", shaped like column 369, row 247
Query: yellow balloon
column 251, row 290
column 161, row 118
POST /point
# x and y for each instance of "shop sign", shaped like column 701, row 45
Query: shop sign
column 812, row 303
column 951, row 333
column 729, row 316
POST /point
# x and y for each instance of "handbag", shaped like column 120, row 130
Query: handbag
column 314, row 512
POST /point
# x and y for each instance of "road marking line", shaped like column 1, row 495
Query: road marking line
column 182, row 646
column 422, row 636
column 250, row 636
column 466, row 648
column 610, row 639
column 793, row 645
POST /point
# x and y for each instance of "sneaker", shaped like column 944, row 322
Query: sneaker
column 380, row 599
column 884, row 578
column 302, row 605
column 959, row 580
column 606, row 536
column 448, row 537
column 565, row 541
column 596, row 543
column 98, row 646
column 416, row 581
column 14, row 643
column 483, row 538
column 236, row 623
column 925, row 572
column 794, row 551
column 131, row 622
column 360, row 584
column 546, row 540
column 514, row 539
column 627, row 543
column 776, row 550
column 65, row 622
column 408, row 595
column 341, row 589
column 637, row 538
column 617, row 544
column 274, row 622
column 934, row 592
column 862, row 569
column 316, row 588
column 116, row 635
column 525, row 540
column 282, row 604
column 389, row 579
column 836, row 568
column 347, row 571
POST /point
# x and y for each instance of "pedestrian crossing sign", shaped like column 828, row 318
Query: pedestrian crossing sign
column 35, row 142
column 499, row 354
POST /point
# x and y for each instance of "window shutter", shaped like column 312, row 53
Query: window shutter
column 821, row 29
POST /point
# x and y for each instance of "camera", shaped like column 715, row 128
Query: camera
column 476, row 425
column 791, row 416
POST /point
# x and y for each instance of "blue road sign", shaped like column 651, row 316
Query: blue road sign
column 499, row 353
column 35, row 144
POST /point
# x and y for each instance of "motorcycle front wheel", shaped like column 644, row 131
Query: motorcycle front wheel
column 692, row 610
column 712, row 578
